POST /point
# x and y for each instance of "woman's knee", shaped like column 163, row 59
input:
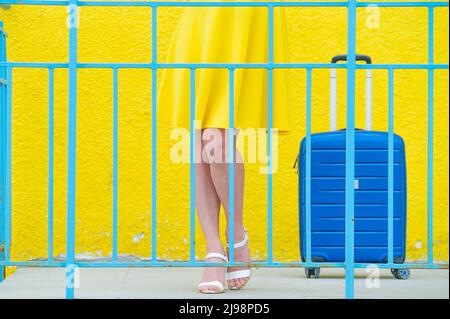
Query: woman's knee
column 214, row 146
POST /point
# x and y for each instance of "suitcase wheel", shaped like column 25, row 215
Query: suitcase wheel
column 401, row 274
column 312, row 273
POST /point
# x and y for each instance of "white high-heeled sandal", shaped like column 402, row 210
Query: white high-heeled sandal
column 239, row 274
column 218, row 284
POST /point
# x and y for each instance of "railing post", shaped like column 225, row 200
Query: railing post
column 270, row 129
column 391, row 169
column 154, row 252
column 192, row 164
column 308, row 165
column 231, row 166
column 350, row 154
column 3, row 83
column 430, row 177
column 72, row 143
column 51, row 142
column 5, row 155
column 115, row 220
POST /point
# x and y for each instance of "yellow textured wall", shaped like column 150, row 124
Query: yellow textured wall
column 123, row 34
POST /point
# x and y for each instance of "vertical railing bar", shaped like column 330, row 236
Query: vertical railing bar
column 8, row 162
column 231, row 167
column 270, row 137
column 350, row 153
column 72, row 144
column 3, row 88
column 3, row 134
column 50, row 161
column 430, row 182
column 154, row 252
column 192, row 167
column 308, row 164
column 391, row 170
column 115, row 163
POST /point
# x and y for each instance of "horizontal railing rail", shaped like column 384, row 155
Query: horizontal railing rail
column 47, row 65
column 73, row 64
column 388, row 4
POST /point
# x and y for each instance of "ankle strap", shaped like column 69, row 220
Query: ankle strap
column 217, row 255
column 242, row 243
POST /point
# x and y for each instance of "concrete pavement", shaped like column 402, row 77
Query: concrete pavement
column 137, row 283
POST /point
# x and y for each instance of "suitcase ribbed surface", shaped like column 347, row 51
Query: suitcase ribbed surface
column 371, row 197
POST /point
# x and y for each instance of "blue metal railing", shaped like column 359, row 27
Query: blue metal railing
column 73, row 65
column 3, row 88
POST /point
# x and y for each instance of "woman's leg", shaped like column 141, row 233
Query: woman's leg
column 208, row 209
column 219, row 165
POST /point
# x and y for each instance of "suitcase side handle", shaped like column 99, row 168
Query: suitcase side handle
column 333, row 91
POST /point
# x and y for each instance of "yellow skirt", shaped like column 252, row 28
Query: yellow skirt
column 225, row 35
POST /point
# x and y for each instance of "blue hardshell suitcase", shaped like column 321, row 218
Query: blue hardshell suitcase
column 328, row 169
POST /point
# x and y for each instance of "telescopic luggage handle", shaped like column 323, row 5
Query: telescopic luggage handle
column 333, row 96
column 359, row 58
